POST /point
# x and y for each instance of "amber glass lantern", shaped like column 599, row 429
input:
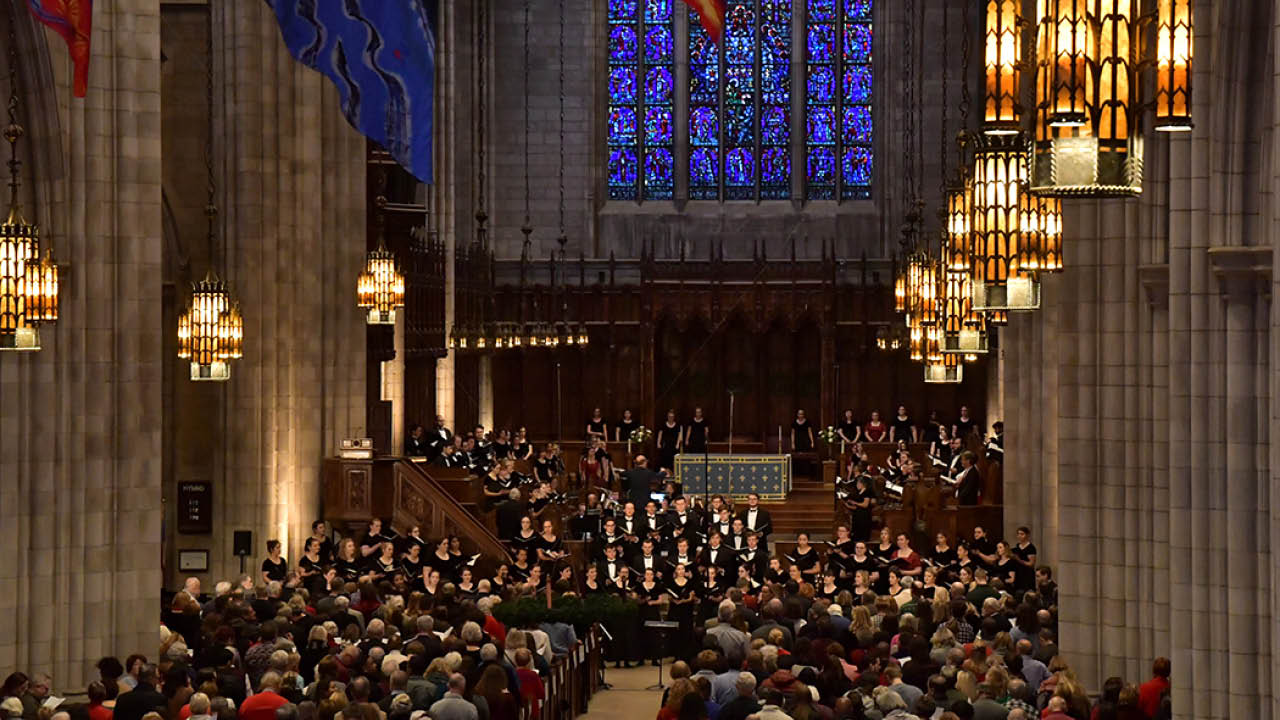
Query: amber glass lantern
column 1174, row 38
column 380, row 287
column 1003, row 61
column 1001, row 205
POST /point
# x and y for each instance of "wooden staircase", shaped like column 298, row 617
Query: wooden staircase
column 810, row 507
column 356, row 491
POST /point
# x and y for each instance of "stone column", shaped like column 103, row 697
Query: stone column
column 293, row 191
column 80, row 471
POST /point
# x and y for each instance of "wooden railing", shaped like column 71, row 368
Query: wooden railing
column 356, row 491
column 573, row 679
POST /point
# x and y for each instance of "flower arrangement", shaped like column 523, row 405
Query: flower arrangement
column 640, row 435
column 829, row 435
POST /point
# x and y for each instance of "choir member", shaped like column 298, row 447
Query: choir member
column 597, row 428
column 756, row 519
column 501, row 577
column 806, row 558
column 439, row 438
column 630, row 526
column 722, row 522
column 550, row 548
column 274, row 567
column 933, row 429
column 310, row 564
column 431, row 587
column 682, row 554
column 885, row 549
column 684, row 602
column 414, row 537
column 1024, row 551
column 737, row 537
column 385, row 565
column 696, row 433
column 802, row 439
column 348, row 565
column 849, row 430
column 840, row 551
column 860, row 501
column 969, row 481
column 906, row 560
column 591, row 582
column 964, row 426
column 593, row 465
column 963, row 561
column 609, row 537
column 521, row 448
column 775, row 572
column 611, row 565
column 715, row 554
column 1008, row 570
column 670, row 439
column 863, row 561
column 753, row 557
column 875, row 430
column 651, row 596
column 943, row 556
column 652, row 523
column 417, row 445
column 861, row 584
column 444, row 561
column 371, row 545
column 623, row 429
column 903, row 428
column 526, row 538
column 466, row 585
column 715, row 583
column 623, row 585
column 521, row 567
column 940, row 450
column 829, row 587
column 982, row 548
column 899, row 592
column 411, row 565
column 647, row 559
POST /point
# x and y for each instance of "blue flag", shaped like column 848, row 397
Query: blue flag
column 381, row 55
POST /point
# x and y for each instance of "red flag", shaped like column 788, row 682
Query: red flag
column 712, row 14
column 72, row 19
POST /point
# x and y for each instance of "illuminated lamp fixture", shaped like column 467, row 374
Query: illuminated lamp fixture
column 1000, row 206
column 964, row 330
column 584, row 338
column 28, row 280
column 1041, row 247
column 1092, row 66
column 958, row 237
column 381, row 287
column 900, row 290
column 942, row 367
column 1003, row 62
column 922, row 288
column 998, row 318
column 1173, row 65
column 211, row 330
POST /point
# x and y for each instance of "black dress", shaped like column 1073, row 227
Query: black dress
column 530, row 543
column 682, row 612
column 902, row 428
column 964, row 428
column 849, row 429
column 649, row 612
column 625, row 428
column 445, row 566
column 807, row 561
column 860, row 517
column 670, row 436
column 276, row 571
column 348, row 570
column 803, row 442
column 697, row 443
column 596, row 427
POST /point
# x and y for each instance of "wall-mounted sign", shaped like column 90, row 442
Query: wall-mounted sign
column 195, row 507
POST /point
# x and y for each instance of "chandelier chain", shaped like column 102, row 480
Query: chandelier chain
column 563, row 239
column 14, row 130
column 482, row 51
column 942, row 128
column 965, row 98
column 526, row 118
column 211, row 188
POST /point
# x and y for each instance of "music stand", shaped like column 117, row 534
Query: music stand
column 661, row 628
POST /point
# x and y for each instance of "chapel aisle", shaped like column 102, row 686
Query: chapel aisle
column 628, row 700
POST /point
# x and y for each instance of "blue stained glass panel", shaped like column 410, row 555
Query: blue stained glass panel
column 822, row 84
column 857, row 10
column 857, row 124
column 622, row 9
column 704, row 127
column 857, row 166
column 740, row 33
column 703, row 167
column 658, row 86
column 623, row 169
column 656, row 11
column 622, row 126
column 622, row 44
column 740, row 85
column 822, row 125
column 739, row 167
column 857, row 43
column 622, row 84
column 657, row 126
column 775, row 125
column 822, row 165
column 822, row 10
column 822, row 43
column 659, row 45
column 704, row 84
column 739, row 125
column 659, row 173
column 857, row 84
column 775, row 166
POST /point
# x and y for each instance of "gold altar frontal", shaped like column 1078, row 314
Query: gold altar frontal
column 735, row 475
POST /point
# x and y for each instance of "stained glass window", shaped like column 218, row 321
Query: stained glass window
column 838, row 148
column 740, row 101
column 641, row 127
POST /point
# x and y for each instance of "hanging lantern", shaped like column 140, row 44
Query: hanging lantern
column 998, row 317
column 1173, row 65
column 1000, row 207
column 958, row 236
column 1041, row 245
column 922, row 288
column 381, row 287
column 964, row 329
column 210, row 330
column 942, row 367
column 900, row 291
column 1087, row 142
column 1003, row 51
column 28, row 281
column 584, row 338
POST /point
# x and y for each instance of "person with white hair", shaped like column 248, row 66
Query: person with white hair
column 891, row 705
column 454, row 705
column 733, row 642
column 200, row 705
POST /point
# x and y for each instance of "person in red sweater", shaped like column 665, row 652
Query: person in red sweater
column 492, row 627
column 97, row 696
column 262, row 706
column 1152, row 690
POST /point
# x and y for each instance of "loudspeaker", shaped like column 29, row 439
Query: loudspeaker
column 242, row 542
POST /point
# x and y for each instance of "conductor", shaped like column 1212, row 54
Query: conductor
column 639, row 481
